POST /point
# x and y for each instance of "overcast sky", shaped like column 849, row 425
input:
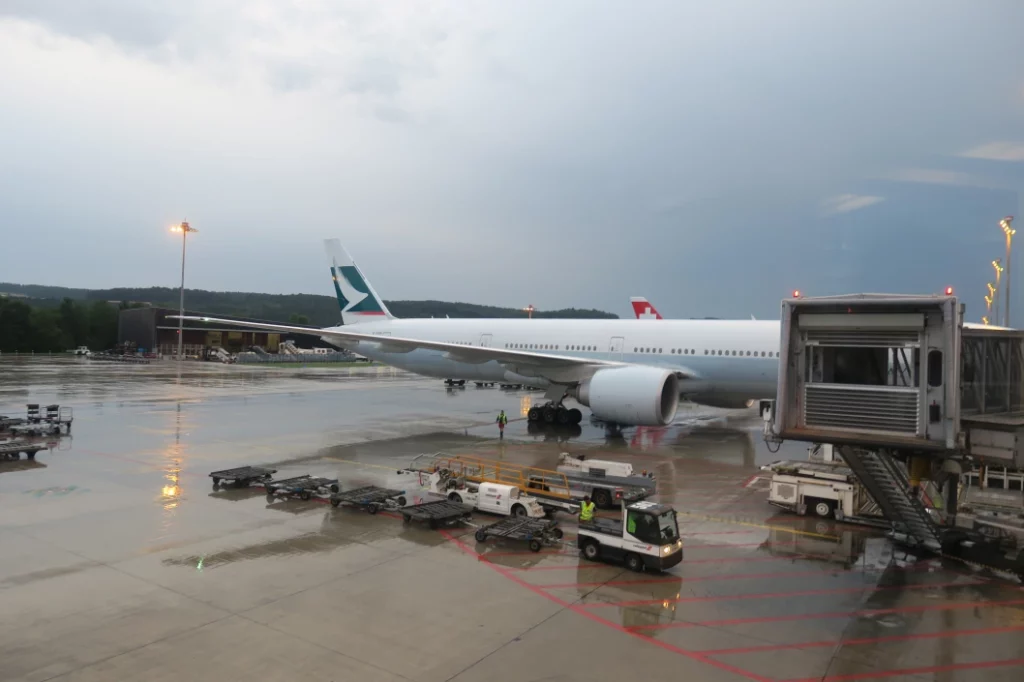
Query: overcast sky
column 711, row 156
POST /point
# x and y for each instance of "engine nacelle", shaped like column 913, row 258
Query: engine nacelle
column 638, row 396
column 723, row 401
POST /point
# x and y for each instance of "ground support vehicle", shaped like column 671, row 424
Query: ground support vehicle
column 242, row 477
column 536, row 532
column 13, row 449
column 647, row 536
column 303, row 487
column 608, row 482
column 437, row 513
column 493, row 498
column 825, row 489
column 370, row 498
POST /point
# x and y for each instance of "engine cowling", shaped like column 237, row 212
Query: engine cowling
column 638, row 396
column 725, row 402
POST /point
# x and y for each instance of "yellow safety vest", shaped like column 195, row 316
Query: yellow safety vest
column 587, row 511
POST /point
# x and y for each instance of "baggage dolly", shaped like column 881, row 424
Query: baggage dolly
column 371, row 498
column 537, row 532
column 242, row 477
column 303, row 487
column 13, row 449
column 438, row 513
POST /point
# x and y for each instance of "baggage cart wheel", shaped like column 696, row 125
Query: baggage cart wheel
column 480, row 535
column 535, row 545
column 335, row 488
column 591, row 551
column 335, row 503
column 270, row 496
column 634, row 562
column 305, row 495
column 30, row 455
column 406, row 519
column 372, row 508
column 216, row 484
column 557, row 533
column 433, row 524
column 400, row 500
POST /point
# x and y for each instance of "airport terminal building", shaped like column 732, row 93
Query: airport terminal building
column 153, row 329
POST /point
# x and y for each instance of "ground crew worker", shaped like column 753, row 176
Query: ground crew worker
column 502, row 420
column 586, row 510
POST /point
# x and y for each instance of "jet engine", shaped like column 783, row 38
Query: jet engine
column 723, row 401
column 638, row 396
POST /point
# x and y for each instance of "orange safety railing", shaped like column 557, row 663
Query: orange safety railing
column 527, row 478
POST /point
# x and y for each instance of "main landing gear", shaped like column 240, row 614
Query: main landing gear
column 550, row 413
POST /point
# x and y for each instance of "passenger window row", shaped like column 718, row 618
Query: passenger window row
column 546, row 346
column 692, row 351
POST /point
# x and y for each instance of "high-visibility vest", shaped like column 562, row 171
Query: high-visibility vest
column 587, row 511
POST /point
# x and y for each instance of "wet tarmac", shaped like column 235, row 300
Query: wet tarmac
column 119, row 562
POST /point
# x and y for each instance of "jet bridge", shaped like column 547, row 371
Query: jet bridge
column 905, row 393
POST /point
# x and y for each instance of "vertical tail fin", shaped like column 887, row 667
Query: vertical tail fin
column 643, row 309
column 356, row 298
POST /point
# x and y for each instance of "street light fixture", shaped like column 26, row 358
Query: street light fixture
column 184, row 228
column 994, row 291
column 1007, row 225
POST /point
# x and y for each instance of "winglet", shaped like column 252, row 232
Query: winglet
column 643, row 309
column 356, row 297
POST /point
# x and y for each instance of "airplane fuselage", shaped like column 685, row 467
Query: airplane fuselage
column 732, row 359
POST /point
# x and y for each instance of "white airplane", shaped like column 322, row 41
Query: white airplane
column 627, row 372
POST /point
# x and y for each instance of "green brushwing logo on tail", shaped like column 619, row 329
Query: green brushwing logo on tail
column 353, row 293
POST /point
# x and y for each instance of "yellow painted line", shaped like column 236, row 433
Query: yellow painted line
column 794, row 531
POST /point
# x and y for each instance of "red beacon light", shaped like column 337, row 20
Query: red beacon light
column 949, row 291
column 796, row 293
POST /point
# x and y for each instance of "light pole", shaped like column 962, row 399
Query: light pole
column 994, row 291
column 1007, row 225
column 184, row 228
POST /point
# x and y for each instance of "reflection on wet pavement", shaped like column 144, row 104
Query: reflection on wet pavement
column 118, row 562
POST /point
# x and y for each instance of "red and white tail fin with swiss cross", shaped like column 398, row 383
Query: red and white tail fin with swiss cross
column 643, row 309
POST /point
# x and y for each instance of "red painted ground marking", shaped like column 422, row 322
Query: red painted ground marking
column 750, row 480
column 952, row 606
column 864, row 640
column 915, row 671
column 775, row 595
column 607, row 623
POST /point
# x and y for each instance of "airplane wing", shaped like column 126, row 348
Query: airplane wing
column 559, row 369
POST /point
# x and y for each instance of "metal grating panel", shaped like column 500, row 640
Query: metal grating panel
column 874, row 338
column 862, row 408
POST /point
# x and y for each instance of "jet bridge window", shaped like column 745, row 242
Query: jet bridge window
column 864, row 366
column 935, row 368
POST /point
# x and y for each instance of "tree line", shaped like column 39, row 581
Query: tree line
column 59, row 318
column 52, row 329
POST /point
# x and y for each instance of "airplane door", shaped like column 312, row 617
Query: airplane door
column 485, row 340
column 615, row 347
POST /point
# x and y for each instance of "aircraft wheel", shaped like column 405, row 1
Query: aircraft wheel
column 563, row 417
column 533, row 415
column 575, row 415
column 548, row 413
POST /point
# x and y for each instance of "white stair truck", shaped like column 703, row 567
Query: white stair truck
column 647, row 536
column 493, row 498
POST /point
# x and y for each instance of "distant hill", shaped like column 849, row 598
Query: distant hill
column 313, row 309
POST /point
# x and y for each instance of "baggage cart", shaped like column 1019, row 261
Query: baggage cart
column 536, row 532
column 438, row 513
column 242, row 477
column 371, row 498
column 303, row 487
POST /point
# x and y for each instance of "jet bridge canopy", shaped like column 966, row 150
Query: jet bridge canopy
column 870, row 369
column 899, row 372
